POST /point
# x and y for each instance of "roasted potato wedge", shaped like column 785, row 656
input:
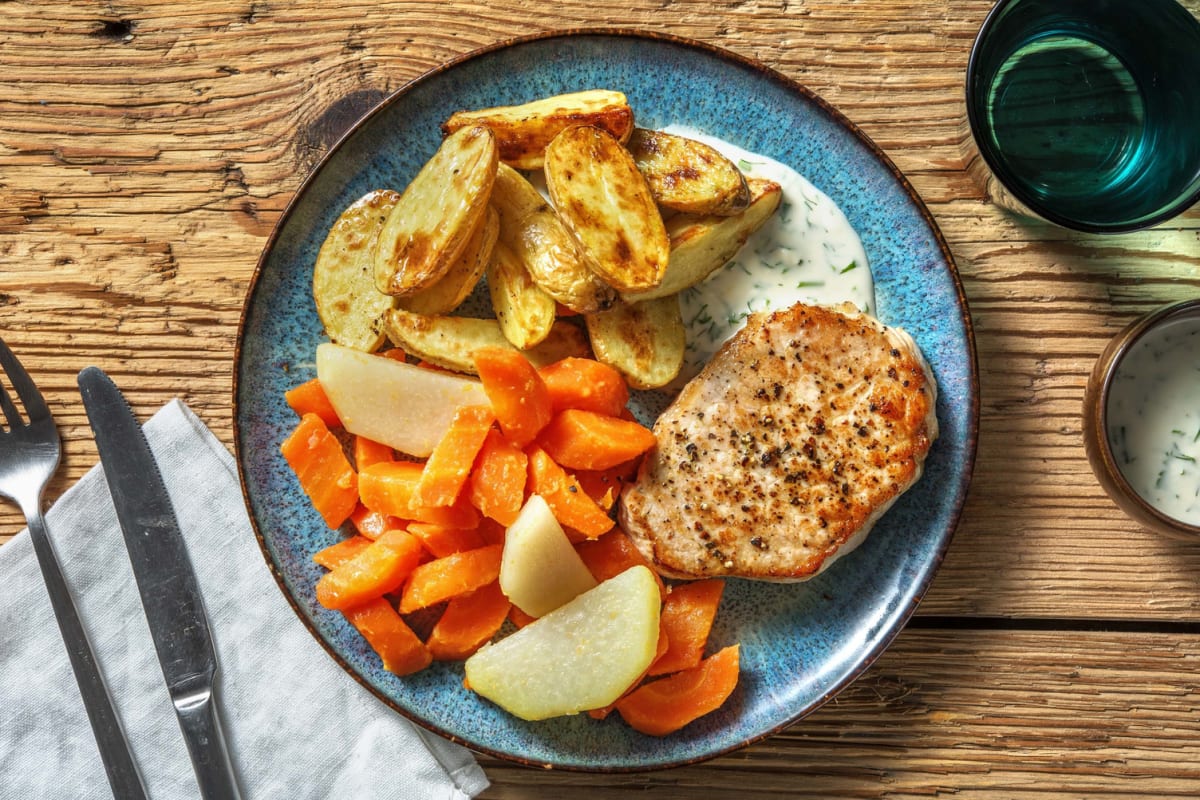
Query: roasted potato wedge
column 534, row 233
column 525, row 312
column 644, row 341
column 688, row 176
column 603, row 199
column 449, row 342
column 429, row 227
column 453, row 287
column 702, row 245
column 348, row 303
column 523, row 131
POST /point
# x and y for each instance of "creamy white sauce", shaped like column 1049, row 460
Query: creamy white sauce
column 807, row 252
column 1154, row 419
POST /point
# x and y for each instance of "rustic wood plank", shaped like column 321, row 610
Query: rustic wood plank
column 1009, row 715
column 147, row 150
column 145, row 156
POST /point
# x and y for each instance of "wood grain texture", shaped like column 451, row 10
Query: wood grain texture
column 148, row 148
column 970, row 714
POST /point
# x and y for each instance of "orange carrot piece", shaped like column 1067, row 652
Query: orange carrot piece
column 401, row 651
column 611, row 554
column 373, row 524
column 605, row 485
column 449, row 465
column 390, row 488
column 519, row 618
column 468, row 622
column 368, row 452
column 586, row 384
column 491, row 531
column 324, row 472
column 659, row 649
column 579, row 439
column 497, row 484
column 380, row 568
column 340, row 552
column 395, row 353
column 310, row 398
column 450, row 576
column 665, row 705
column 687, row 616
column 442, row 541
column 516, row 391
column 570, row 503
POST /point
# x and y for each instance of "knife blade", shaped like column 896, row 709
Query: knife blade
column 165, row 579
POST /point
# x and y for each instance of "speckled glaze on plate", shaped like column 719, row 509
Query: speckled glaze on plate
column 801, row 643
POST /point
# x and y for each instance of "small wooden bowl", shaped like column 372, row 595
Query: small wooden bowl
column 1095, row 423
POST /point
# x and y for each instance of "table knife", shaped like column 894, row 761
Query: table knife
column 165, row 580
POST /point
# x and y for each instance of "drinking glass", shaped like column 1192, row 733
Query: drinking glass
column 1087, row 112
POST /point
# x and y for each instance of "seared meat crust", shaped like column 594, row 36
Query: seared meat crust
column 783, row 452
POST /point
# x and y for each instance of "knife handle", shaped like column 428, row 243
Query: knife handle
column 206, row 745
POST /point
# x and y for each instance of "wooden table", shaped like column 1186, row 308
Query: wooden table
column 147, row 149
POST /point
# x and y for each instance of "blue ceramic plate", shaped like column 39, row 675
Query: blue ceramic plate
column 801, row 643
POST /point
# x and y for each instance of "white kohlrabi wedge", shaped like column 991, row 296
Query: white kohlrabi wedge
column 582, row 655
column 540, row 570
column 388, row 401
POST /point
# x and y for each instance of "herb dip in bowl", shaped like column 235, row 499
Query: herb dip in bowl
column 1142, row 420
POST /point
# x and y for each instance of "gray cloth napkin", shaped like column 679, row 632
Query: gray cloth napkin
column 298, row 726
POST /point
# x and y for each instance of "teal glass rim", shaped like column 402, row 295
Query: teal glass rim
column 975, row 119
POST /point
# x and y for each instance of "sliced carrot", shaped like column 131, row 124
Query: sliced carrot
column 519, row 618
column 373, row 524
column 368, row 452
column 497, row 484
column 491, row 531
column 570, row 503
column 611, row 554
column 516, row 391
column 322, row 468
column 663, row 706
column 401, row 651
column 449, row 465
column 442, row 541
column 659, row 649
column 468, row 621
column 310, row 398
column 380, row 568
column 340, row 552
column 450, row 576
column 579, row 439
column 687, row 616
column 395, row 353
column 605, row 485
column 390, row 488
column 587, row 384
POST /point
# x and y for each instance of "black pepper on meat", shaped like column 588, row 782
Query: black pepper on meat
column 803, row 448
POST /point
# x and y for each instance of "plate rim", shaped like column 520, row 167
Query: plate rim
column 970, row 434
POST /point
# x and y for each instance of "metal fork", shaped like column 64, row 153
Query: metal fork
column 29, row 453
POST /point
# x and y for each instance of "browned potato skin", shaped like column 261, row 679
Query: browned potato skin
column 644, row 341
column 532, row 230
column 603, row 200
column 702, row 245
column 525, row 312
column 453, row 288
column 427, row 231
column 451, row 342
column 348, row 303
column 523, row 131
column 688, row 176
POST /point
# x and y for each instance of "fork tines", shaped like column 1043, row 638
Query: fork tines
column 22, row 384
